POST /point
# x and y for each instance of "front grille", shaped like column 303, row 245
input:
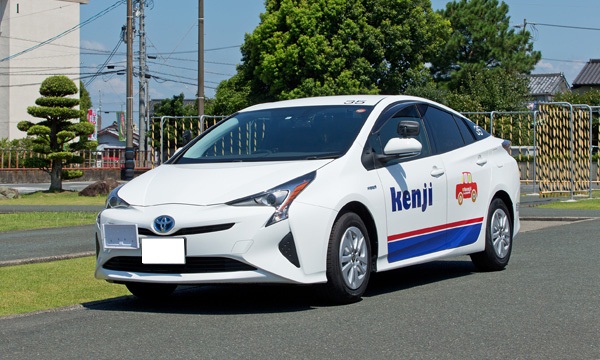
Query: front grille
column 189, row 231
column 192, row 265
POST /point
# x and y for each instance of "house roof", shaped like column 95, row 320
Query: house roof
column 113, row 131
column 547, row 84
column 589, row 75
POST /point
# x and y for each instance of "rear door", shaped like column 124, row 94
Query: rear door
column 468, row 174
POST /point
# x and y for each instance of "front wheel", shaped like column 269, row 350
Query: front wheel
column 148, row 291
column 348, row 260
column 498, row 239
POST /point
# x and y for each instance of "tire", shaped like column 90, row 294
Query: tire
column 348, row 260
column 149, row 291
column 460, row 198
column 498, row 239
column 473, row 195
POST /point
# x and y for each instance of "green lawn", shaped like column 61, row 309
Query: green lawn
column 43, row 220
column 579, row 204
column 27, row 288
column 48, row 198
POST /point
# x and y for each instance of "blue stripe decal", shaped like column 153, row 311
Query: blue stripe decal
column 433, row 242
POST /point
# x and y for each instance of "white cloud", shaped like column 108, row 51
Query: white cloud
column 92, row 45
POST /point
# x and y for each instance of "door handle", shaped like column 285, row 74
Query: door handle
column 481, row 161
column 437, row 172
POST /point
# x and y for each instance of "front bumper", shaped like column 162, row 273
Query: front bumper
column 223, row 244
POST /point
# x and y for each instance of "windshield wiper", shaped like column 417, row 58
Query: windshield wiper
column 322, row 157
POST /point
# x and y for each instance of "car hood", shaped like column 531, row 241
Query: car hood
column 209, row 184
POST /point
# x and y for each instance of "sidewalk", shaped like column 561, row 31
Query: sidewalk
column 31, row 188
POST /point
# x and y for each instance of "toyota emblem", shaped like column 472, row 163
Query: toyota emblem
column 163, row 224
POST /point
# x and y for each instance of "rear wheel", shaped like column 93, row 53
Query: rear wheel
column 348, row 260
column 498, row 239
column 148, row 291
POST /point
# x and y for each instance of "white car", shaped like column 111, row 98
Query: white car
column 314, row 191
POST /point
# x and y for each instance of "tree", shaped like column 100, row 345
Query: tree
column 54, row 136
column 326, row 47
column 494, row 89
column 591, row 97
column 482, row 39
column 85, row 101
column 173, row 130
column 479, row 90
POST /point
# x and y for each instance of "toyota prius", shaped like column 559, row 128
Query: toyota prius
column 321, row 191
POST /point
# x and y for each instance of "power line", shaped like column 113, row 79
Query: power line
column 66, row 32
column 38, row 12
column 565, row 26
column 571, row 61
column 60, row 45
column 105, row 62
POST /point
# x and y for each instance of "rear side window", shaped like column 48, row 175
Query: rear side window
column 443, row 129
column 466, row 133
column 476, row 130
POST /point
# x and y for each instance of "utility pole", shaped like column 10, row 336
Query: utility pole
column 129, row 152
column 100, row 111
column 143, row 82
column 200, row 57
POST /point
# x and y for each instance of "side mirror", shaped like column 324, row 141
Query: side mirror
column 400, row 148
column 408, row 128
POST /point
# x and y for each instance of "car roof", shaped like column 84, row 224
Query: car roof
column 358, row 100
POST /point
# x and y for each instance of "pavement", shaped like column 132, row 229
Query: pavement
column 25, row 188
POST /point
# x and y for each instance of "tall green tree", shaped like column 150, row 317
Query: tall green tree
column 493, row 89
column 173, row 129
column 482, row 39
column 327, row 47
column 54, row 136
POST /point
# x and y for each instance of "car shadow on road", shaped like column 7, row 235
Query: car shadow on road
column 258, row 298
column 418, row 275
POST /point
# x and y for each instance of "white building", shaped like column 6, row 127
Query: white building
column 24, row 25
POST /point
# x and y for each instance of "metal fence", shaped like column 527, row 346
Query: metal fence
column 555, row 145
column 110, row 159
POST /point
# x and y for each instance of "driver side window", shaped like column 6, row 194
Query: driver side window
column 389, row 130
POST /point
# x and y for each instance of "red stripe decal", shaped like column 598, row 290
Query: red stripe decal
column 434, row 229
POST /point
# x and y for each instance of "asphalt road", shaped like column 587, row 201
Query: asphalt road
column 545, row 305
column 34, row 245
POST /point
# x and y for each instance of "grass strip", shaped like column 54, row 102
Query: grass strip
column 583, row 204
column 49, row 198
column 34, row 287
column 44, row 220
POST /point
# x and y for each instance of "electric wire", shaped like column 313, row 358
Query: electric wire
column 66, row 32
column 101, row 68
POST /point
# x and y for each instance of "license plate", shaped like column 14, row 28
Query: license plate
column 120, row 236
column 163, row 250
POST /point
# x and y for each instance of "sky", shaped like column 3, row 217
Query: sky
column 172, row 35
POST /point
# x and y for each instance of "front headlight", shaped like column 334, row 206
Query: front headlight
column 279, row 197
column 114, row 201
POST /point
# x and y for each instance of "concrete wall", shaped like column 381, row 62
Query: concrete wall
column 36, row 176
column 24, row 24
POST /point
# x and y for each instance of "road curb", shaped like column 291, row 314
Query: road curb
column 45, row 259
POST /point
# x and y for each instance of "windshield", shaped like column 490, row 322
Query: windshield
column 310, row 132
